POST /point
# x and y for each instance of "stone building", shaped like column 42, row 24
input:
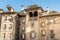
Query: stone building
column 32, row 23
column 8, row 22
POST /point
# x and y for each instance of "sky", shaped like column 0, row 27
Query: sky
column 16, row 4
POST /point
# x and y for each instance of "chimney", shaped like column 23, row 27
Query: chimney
column 10, row 9
column 22, row 7
column 1, row 11
column 47, row 9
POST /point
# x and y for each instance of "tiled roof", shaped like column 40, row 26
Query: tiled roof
column 33, row 6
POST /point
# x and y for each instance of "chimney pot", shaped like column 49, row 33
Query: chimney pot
column 1, row 11
column 10, row 9
column 22, row 7
column 47, row 9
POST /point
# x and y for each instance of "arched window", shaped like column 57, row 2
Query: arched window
column 42, row 24
column 43, row 33
column 30, row 14
column 35, row 13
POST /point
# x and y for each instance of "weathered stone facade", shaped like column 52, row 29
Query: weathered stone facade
column 32, row 23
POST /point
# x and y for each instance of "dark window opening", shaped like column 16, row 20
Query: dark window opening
column 21, row 36
column 35, row 13
column 31, row 14
column 52, row 35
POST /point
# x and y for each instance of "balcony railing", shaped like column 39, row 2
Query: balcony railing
column 32, row 18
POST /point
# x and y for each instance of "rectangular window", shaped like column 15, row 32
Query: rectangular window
column 23, row 28
column 32, row 35
column 3, row 36
column 52, row 35
column 11, row 19
column 10, row 26
column 22, row 36
column 10, row 36
column 4, row 26
column 5, row 19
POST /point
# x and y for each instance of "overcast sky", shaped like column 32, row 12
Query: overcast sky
column 16, row 4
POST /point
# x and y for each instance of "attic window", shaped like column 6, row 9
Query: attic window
column 31, row 14
column 35, row 13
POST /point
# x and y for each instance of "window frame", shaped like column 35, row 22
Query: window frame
column 11, row 25
column 5, row 18
column 31, row 33
column 43, row 33
column 42, row 24
column 4, row 27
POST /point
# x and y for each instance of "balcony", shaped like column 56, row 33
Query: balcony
column 32, row 18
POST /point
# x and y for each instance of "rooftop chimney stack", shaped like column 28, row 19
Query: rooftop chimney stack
column 10, row 9
column 47, row 9
column 1, row 11
column 22, row 7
